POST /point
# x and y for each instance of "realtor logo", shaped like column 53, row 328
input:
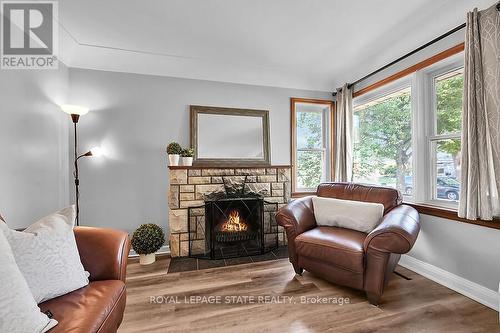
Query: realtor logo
column 29, row 35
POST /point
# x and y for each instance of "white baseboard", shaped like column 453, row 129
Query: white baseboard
column 481, row 294
column 165, row 249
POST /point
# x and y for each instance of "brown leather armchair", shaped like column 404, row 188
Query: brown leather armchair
column 99, row 306
column 344, row 256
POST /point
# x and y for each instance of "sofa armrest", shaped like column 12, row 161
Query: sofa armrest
column 103, row 252
column 396, row 233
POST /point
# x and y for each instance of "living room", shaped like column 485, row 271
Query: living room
column 281, row 166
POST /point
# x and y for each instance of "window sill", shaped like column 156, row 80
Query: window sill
column 452, row 214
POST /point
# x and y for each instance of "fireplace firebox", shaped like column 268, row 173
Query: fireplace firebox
column 235, row 222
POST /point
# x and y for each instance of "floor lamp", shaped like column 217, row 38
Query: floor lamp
column 75, row 111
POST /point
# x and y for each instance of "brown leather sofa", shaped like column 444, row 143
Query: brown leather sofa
column 344, row 256
column 99, row 306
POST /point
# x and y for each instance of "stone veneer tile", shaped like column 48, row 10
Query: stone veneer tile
column 284, row 175
column 217, row 172
column 184, row 196
column 217, row 180
column 178, row 177
column 266, row 179
column 173, row 197
column 174, row 245
column 203, row 190
column 199, row 180
column 184, row 236
column 184, row 249
column 277, row 186
column 271, row 171
column 260, row 188
column 186, row 188
column 278, row 193
column 251, row 172
column 191, row 203
column 177, row 219
column 197, row 211
column 194, row 172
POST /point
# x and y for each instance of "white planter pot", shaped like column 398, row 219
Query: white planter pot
column 186, row 161
column 147, row 259
column 173, row 159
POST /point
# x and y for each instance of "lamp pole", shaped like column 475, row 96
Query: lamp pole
column 75, row 112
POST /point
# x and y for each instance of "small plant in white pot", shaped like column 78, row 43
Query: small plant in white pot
column 174, row 150
column 146, row 240
column 187, row 156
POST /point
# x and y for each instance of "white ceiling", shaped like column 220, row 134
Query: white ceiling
column 307, row 44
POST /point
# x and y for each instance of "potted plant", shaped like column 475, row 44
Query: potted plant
column 173, row 150
column 146, row 240
column 187, row 156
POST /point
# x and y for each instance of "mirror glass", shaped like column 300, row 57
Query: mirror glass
column 225, row 136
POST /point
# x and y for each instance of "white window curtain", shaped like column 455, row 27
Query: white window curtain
column 343, row 135
column 480, row 169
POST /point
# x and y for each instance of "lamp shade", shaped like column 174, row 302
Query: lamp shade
column 74, row 109
column 97, row 151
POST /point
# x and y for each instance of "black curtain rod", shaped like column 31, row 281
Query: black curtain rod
column 437, row 39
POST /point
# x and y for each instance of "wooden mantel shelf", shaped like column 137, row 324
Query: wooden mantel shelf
column 230, row 166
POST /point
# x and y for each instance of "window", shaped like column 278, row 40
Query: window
column 447, row 87
column 407, row 133
column 382, row 147
column 311, row 143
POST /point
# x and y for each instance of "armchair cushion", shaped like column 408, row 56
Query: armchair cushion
column 337, row 246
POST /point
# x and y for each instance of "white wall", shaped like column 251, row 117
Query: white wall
column 33, row 143
column 133, row 117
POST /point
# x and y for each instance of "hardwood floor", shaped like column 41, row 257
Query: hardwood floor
column 419, row 305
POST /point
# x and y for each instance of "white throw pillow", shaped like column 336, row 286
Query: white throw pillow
column 18, row 310
column 47, row 256
column 350, row 214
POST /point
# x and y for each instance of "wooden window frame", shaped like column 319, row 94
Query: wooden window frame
column 293, row 140
column 424, row 208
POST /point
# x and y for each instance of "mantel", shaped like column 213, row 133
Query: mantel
column 229, row 166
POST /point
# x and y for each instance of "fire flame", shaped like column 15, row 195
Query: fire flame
column 234, row 223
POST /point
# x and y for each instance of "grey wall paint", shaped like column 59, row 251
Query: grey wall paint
column 466, row 250
column 33, row 144
column 133, row 117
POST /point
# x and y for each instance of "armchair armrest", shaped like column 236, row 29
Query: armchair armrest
column 103, row 252
column 297, row 217
column 396, row 233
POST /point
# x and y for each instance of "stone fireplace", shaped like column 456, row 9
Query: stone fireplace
column 242, row 219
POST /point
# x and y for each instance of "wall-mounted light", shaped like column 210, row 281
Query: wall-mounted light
column 75, row 111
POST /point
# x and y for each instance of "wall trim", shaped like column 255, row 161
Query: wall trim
column 165, row 249
column 475, row 291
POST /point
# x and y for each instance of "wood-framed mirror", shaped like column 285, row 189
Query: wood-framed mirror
column 229, row 136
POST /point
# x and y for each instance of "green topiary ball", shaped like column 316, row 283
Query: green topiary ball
column 174, row 148
column 148, row 238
